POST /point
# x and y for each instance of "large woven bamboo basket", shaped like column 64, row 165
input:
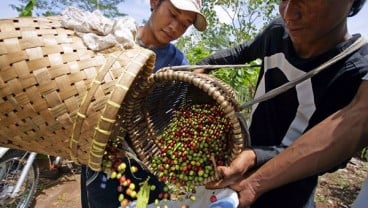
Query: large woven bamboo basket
column 57, row 96
column 151, row 110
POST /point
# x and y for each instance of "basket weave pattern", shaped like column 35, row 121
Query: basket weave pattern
column 56, row 96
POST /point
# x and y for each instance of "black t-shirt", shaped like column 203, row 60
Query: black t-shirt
column 277, row 122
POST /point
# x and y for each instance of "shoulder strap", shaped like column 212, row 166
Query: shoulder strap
column 274, row 92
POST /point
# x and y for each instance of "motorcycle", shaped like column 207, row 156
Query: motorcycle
column 20, row 173
column 19, row 176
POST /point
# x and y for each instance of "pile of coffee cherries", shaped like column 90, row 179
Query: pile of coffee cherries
column 192, row 145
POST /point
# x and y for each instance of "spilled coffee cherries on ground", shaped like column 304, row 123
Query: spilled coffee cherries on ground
column 191, row 146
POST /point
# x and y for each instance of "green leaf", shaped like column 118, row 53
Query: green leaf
column 143, row 194
column 28, row 9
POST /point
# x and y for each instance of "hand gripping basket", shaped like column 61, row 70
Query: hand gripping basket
column 56, row 96
column 152, row 110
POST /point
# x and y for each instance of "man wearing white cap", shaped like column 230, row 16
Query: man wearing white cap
column 168, row 21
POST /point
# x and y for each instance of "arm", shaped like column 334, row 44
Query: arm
column 237, row 55
column 243, row 53
column 248, row 51
column 240, row 54
column 331, row 142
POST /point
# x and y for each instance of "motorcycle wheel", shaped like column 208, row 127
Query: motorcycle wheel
column 11, row 166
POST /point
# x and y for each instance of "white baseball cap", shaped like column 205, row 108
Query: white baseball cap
column 200, row 22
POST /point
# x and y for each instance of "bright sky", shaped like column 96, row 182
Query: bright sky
column 140, row 10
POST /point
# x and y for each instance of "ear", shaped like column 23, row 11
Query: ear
column 153, row 4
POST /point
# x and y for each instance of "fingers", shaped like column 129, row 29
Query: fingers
column 227, row 177
column 246, row 193
column 233, row 173
column 222, row 182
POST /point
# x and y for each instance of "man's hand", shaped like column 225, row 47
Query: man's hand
column 234, row 173
column 235, row 177
column 247, row 191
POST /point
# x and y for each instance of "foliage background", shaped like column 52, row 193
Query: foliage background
column 247, row 18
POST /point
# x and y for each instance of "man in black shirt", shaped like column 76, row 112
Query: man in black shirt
column 308, row 33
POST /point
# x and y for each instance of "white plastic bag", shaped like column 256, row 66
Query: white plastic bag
column 99, row 32
column 226, row 198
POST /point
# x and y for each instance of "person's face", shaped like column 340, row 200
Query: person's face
column 169, row 23
column 312, row 20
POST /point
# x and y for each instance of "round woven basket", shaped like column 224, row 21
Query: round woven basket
column 152, row 110
column 57, row 96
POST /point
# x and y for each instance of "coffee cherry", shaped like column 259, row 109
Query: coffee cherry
column 124, row 203
column 132, row 186
column 121, row 167
column 121, row 197
column 213, row 198
column 192, row 197
column 133, row 169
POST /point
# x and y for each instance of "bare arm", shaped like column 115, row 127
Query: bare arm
column 329, row 143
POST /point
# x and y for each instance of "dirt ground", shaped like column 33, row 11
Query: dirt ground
column 61, row 193
column 335, row 190
column 340, row 188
